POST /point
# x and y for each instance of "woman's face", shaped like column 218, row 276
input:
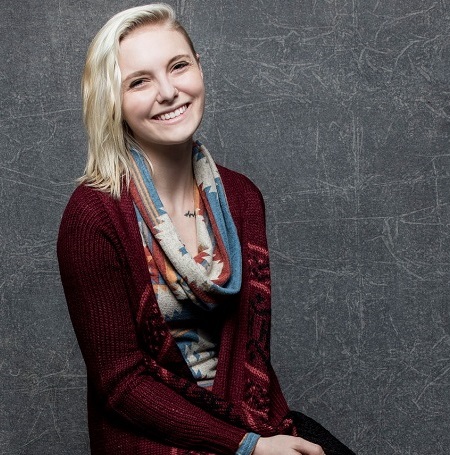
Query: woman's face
column 163, row 94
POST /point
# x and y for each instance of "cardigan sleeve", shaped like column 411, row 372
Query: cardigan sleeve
column 98, row 300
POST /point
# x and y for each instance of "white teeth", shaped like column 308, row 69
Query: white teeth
column 173, row 114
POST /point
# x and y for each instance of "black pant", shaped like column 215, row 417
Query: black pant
column 312, row 431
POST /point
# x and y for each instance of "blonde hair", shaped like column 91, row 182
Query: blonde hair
column 109, row 138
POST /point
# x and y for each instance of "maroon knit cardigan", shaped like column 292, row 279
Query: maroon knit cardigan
column 142, row 398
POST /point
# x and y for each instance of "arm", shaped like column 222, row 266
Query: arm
column 98, row 300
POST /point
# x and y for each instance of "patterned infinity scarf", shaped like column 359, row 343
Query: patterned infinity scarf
column 215, row 273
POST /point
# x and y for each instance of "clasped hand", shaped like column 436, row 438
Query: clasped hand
column 286, row 445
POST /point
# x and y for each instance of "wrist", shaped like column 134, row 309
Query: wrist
column 248, row 444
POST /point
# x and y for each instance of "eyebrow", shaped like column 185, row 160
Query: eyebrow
column 143, row 72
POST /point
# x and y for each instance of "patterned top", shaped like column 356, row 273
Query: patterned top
column 190, row 289
column 193, row 330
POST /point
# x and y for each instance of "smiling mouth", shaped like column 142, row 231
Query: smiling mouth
column 173, row 114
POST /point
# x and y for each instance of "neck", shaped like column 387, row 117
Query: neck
column 173, row 176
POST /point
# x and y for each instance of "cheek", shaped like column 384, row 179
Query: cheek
column 193, row 85
column 132, row 108
column 201, row 87
column 200, row 91
column 126, row 109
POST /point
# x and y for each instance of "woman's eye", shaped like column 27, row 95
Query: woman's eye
column 180, row 65
column 136, row 83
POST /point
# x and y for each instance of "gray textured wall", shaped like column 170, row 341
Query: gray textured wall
column 339, row 111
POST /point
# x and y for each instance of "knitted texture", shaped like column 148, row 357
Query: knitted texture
column 142, row 397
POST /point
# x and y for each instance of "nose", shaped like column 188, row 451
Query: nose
column 167, row 91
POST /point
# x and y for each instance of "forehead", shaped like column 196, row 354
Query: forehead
column 152, row 37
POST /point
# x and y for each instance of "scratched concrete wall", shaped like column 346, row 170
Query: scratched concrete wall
column 339, row 111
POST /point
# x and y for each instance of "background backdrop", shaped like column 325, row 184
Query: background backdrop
column 339, row 111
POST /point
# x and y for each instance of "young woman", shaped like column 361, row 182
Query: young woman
column 164, row 263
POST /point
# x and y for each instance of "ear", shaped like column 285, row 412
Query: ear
column 197, row 57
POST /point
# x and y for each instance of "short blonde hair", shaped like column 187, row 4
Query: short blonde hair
column 109, row 138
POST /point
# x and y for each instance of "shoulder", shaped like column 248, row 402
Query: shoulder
column 246, row 204
column 95, row 226
column 90, row 209
column 86, row 205
column 238, row 185
column 85, row 196
column 91, row 202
